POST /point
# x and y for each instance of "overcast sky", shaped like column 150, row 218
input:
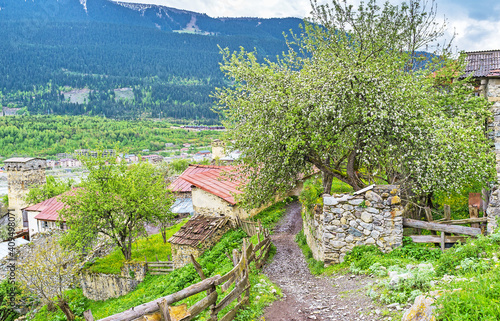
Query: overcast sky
column 476, row 23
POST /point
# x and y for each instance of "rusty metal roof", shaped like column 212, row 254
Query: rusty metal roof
column 483, row 63
column 181, row 185
column 197, row 230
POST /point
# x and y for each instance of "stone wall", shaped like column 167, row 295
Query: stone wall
column 181, row 254
column 208, row 204
column 370, row 218
column 99, row 286
column 21, row 177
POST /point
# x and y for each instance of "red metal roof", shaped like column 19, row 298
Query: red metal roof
column 217, row 181
column 181, row 185
column 49, row 209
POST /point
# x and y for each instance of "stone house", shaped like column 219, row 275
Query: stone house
column 484, row 68
column 23, row 173
column 182, row 188
column 44, row 216
column 197, row 235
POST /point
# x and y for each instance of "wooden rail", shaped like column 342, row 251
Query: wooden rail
column 239, row 277
column 441, row 227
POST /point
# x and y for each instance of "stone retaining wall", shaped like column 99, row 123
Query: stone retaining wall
column 370, row 218
column 100, row 286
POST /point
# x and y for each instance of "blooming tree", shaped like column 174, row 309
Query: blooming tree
column 349, row 99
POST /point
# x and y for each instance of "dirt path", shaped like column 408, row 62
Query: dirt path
column 307, row 297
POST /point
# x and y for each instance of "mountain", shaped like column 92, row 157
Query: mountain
column 121, row 60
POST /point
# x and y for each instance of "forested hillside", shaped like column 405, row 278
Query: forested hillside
column 168, row 58
column 49, row 135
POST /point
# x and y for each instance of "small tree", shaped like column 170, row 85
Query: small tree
column 47, row 270
column 53, row 187
column 117, row 201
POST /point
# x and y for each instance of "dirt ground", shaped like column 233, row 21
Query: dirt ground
column 305, row 296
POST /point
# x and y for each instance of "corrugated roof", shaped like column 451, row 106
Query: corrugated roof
column 197, row 229
column 215, row 182
column 49, row 209
column 181, row 185
column 182, row 206
column 483, row 63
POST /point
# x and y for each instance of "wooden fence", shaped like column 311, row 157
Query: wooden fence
column 250, row 227
column 162, row 309
column 446, row 225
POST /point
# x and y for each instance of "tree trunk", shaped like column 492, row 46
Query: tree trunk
column 164, row 234
column 63, row 305
column 327, row 182
column 352, row 176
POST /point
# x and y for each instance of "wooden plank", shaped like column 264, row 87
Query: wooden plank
column 443, row 234
column 161, row 270
column 447, row 212
column 437, row 239
column 233, row 295
column 165, row 313
column 204, row 303
column 466, row 221
column 428, row 214
column 441, row 227
column 231, row 314
column 152, row 306
column 88, row 315
column 235, row 272
column 197, row 267
column 160, row 263
column 474, row 213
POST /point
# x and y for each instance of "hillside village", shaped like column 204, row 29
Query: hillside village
column 357, row 179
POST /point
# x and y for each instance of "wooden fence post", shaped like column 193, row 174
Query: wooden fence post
column 88, row 315
column 443, row 236
column 165, row 313
column 447, row 212
column 474, row 213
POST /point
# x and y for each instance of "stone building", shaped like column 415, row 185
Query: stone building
column 197, row 235
column 23, row 173
column 372, row 217
column 44, row 216
column 484, row 67
column 218, row 149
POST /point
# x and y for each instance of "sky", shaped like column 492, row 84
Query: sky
column 475, row 23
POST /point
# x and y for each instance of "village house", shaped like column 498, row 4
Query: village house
column 69, row 163
column 44, row 216
column 153, row 159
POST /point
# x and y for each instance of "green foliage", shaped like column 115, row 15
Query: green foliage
column 475, row 299
column 359, row 105
column 53, row 187
column 149, row 247
column 270, row 216
column 49, row 135
column 311, row 193
column 116, row 200
column 8, row 291
column 465, row 258
column 179, row 165
column 214, row 261
column 5, row 200
column 316, row 267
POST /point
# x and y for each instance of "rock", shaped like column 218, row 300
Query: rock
column 367, row 232
column 375, row 234
column 354, row 232
column 370, row 241
column 366, row 226
column 338, row 244
column 385, row 195
column 394, row 191
column 367, row 217
column 330, row 201
column 328, row 217
column 328, row 235
column 356, row 201
column 343, row 221
column 349, row 239
column 421, row 310
column 372, row 210
column 348, row 207
column 374, row 197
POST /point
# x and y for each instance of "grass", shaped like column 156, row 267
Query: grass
column 316, row 267
column 213, row 261
column 270, row 216
column 149, row 247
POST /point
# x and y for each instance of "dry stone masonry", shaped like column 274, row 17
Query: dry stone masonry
column 370, row 218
